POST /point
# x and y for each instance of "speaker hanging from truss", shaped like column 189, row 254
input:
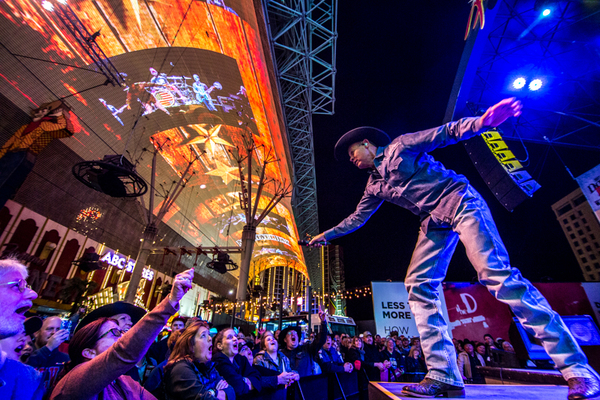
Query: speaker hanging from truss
column 114, row 176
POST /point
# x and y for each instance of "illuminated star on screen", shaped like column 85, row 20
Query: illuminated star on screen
column 224, row 172
column 209, row 137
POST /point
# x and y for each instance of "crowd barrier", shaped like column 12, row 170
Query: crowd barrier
column 332, row 386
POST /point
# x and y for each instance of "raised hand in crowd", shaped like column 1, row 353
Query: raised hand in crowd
column 57, row 339
column 181, row 284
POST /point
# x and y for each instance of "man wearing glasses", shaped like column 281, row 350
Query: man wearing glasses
column 17, row 381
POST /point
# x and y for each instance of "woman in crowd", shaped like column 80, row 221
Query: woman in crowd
column 233, row 367
column 396, row 360
column 415, row 367
column 190, row 373
column 468, row 361
column 100, row 353
column 274, row 367
column 356, row 352
column 356, row 356
column 506, row 346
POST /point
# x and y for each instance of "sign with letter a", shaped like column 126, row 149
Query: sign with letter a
column 391, row 309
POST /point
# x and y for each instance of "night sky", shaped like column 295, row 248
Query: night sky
column 396, row 64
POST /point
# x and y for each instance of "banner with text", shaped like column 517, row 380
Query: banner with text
column 391, row 309
column 590, row 186
column 474, row 312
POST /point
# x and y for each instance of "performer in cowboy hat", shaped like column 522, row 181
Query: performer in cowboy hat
column 403, row 173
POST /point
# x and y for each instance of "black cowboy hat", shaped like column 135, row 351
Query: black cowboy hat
column 287, row 330
column 32, row 325
column 375, row 136
column 120, row 307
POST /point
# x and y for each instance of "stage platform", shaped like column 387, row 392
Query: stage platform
column 387, row 391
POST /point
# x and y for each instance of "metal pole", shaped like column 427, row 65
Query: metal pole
column 140, row 263
column 248, row 238
column 340, row 385
column 233, row 316
column 281, row 309
column 309, row 300
column 260, row 312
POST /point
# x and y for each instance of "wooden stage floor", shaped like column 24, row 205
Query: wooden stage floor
column 386, row 391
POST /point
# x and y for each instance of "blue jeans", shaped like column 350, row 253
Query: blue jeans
column 474, row 226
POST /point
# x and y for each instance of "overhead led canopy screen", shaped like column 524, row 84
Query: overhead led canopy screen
column 195, row 83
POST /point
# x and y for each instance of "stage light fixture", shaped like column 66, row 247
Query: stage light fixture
column 535, row 84
column 48, row 6
column 546, row 12
column 519, row 83
column 222, row 263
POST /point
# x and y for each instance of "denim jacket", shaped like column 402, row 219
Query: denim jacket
column 407, row 176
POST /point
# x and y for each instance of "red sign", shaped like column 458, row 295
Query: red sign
column 473, row 312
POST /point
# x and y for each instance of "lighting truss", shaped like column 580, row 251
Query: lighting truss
column 303, row 37
column 87, row 41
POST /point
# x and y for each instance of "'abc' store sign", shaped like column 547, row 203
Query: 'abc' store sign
column 122, row 262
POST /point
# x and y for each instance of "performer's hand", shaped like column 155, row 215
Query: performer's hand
column 318, row 240
column 500, row 112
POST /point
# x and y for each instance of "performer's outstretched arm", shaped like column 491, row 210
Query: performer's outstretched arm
column 463, row 129
column 366, row 207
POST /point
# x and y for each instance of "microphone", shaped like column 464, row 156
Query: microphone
column 305, row 242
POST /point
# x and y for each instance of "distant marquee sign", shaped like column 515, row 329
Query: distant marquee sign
column 122, row 262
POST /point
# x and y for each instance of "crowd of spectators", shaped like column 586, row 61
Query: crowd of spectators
column 119, row 351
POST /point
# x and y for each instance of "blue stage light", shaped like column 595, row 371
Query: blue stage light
column 535, row 84
column 519, row 83
column 546, row 12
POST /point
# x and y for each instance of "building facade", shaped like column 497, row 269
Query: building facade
column 581, row 227
column 193, row 90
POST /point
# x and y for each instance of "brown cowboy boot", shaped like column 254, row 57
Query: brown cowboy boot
column 432, row 388
column 583, row 388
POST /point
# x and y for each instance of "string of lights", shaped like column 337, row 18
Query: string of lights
column 222, row 305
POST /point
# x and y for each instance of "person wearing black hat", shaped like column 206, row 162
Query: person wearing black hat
column 101, row 353
column 303, row 356
column 403, row 173
column 126, row 315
